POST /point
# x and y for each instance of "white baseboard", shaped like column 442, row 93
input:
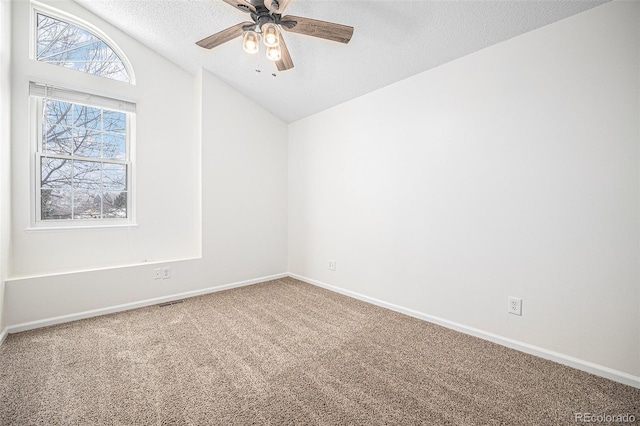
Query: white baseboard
column 3, row 335
column 589, row 367
column 133, row 305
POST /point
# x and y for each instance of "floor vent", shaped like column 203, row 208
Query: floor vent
column 173, row 302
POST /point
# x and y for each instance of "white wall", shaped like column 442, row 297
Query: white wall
column 5, row 149
column 164, row 170
column 240, row 203
column 509, row 172
column 244, row 175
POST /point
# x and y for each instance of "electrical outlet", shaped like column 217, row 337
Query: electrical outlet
column 515, row 306
column 332, row 265
column 157, row 273
column 166, row 273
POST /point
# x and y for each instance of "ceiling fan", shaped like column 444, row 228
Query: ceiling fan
column 267, row 21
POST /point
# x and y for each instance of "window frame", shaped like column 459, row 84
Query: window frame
column 37, row 102
column 90, row 87
column 44, row 9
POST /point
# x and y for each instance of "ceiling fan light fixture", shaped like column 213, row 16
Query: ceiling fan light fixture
column 267, row 23
column 274, row 53
column 270, row 35
column 251, row 42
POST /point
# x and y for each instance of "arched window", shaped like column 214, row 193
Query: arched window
column 64, row 44
column 83, row 141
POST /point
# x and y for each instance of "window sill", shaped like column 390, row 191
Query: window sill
column 79, row 227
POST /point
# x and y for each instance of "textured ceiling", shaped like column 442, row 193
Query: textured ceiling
column 392, row 41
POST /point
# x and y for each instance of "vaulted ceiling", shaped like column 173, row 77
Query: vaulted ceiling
column 392, row 41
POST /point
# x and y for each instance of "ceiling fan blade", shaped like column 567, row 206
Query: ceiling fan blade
column 243, row 5
column 315, row 28
column 223, row 36
column 276, row 6
column 285, row 62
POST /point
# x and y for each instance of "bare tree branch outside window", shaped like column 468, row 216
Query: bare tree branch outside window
column 83, row 152
column 66, row 45
column 83, row 165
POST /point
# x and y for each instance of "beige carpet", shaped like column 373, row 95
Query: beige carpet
column 284, row 352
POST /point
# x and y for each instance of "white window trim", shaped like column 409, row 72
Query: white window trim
column 37, row 93
column 37, row 7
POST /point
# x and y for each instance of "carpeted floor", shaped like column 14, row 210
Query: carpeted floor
column 284, row 352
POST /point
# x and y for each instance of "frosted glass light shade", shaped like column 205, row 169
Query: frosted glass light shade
column 250, row 42
column 270, row 36
column 274, row 53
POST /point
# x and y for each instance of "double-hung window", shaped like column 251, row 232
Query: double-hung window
column 83, row 156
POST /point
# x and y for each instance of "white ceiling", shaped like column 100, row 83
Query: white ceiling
column 392, row 41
